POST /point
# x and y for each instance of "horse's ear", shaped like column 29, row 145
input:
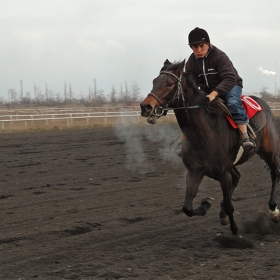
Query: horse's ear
column 165, row 65
column 166, row 62
column 182, row 65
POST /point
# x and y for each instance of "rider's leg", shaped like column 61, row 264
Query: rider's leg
column 243, row 129
column 234, row 103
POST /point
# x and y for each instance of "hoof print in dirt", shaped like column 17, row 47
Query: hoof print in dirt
column 132, row 220
column 6, row 196
column 233, row 242
column 81, row 229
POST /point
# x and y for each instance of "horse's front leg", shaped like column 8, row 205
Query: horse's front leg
column 226, row 185
column 235, row 175
column 192, row 184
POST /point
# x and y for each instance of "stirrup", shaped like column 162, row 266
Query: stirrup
column 248, row 144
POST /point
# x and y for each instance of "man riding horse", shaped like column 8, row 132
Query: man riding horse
column 215, row 74
column 210, row 145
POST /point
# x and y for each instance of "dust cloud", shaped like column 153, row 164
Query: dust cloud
column 145, row 142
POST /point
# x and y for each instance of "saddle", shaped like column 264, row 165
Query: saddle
column 257, row 121
column 255, row 113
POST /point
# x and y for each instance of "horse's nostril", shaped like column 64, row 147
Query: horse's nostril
column 148, row 108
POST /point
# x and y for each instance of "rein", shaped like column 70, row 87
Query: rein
column 159, row 110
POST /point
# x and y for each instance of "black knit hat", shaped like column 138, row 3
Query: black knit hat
column 198, row 35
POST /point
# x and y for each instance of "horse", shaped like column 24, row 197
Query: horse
column 209, row 143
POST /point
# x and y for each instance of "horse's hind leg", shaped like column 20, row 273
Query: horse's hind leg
column 226, row 185
column 273, row 210
column 269, row 152
column 273, row 164
column 235, row 175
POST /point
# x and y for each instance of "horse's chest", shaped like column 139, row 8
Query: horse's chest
column 209, row 160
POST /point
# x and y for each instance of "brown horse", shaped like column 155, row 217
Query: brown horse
column 210, row 145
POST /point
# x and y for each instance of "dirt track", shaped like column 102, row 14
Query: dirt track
column 106, row 204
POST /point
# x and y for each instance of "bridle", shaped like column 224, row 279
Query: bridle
column 160, row 110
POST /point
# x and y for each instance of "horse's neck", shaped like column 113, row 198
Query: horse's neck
column 196, row 123
column 192, row 118
column 192, row 103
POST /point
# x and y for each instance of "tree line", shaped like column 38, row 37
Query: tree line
column 127, row 94
column 265, row 94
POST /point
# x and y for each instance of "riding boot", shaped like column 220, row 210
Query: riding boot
column 247, row 143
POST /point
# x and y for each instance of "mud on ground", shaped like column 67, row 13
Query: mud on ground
column 105, row 203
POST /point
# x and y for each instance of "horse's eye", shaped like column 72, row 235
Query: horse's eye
column 170, row 84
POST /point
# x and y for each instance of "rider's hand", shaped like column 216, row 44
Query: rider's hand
column 212, row 95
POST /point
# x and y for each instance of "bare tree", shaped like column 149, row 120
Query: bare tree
column 121, row 95
column 65, row 92
column 264, row 94
column 26, row 99
column 90, row 94
column 47, row 93
column 94, row 89
column 35, row 92
column 57, row 97
column 12, row 95
column 39, row 98
column 135, row 92
column 125, row 95
column 113, row 95
column 21, row 90
column 70, row 93
column 100, row 97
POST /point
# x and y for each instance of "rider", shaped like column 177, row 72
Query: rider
column 215, row 74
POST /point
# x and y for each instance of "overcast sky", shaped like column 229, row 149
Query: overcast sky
column 125, row 41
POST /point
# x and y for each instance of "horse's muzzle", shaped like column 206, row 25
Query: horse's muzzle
column 146, row 109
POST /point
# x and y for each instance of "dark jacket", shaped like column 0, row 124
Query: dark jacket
column 215, row 71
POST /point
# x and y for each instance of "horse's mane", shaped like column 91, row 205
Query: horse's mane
column 199, row 95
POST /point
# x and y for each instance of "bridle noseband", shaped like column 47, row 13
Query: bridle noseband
column 159, row 110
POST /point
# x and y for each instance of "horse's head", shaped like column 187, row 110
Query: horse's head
column 164, row 92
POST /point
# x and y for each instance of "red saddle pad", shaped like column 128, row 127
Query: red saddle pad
column 251, row 107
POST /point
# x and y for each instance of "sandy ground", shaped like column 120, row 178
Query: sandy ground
column 105, row 203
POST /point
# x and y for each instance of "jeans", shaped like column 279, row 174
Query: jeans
column 234, row 104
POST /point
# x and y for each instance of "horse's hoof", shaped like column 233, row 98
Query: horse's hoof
column 224, row 221
column 208, row 200
column 189, row 213
column 275, row 215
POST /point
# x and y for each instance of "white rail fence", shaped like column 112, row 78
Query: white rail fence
column 69, row 118
column 79, row 117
